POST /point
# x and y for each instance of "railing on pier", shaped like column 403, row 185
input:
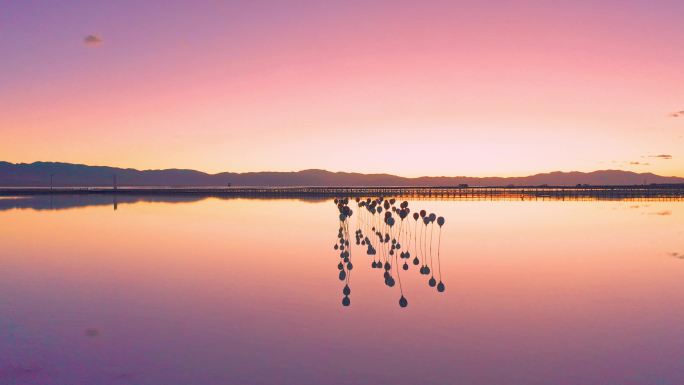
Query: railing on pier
column 674, row 192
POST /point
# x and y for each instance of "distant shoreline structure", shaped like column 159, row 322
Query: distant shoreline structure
column 665, row 191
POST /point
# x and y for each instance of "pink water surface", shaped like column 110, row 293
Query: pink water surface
column 246, row 292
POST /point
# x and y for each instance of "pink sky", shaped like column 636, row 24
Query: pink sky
column 411, row 88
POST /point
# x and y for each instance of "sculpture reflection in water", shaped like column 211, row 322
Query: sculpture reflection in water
column 385, row 231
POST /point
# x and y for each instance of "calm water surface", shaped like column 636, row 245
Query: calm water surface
column 212, row 291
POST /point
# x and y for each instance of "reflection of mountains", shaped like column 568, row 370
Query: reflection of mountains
column 64, row 202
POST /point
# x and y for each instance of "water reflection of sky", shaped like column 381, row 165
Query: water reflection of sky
column 246, row 291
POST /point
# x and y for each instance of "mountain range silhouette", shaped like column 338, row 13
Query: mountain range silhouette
column 37, row 174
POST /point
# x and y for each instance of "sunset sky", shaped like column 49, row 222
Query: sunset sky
column 412, row 88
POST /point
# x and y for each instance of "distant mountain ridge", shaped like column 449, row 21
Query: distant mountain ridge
column 37, row 174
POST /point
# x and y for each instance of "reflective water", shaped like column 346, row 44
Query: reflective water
column 211, row 291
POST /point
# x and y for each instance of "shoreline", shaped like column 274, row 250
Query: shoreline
column 617, row 192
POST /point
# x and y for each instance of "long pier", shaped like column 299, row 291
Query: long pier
column 673, row 192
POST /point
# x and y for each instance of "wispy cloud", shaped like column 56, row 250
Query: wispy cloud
column 622, row 163
column 661, row 156
column 92, row 40
column 662, row 213
column 676, row 114
column 677, row 255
